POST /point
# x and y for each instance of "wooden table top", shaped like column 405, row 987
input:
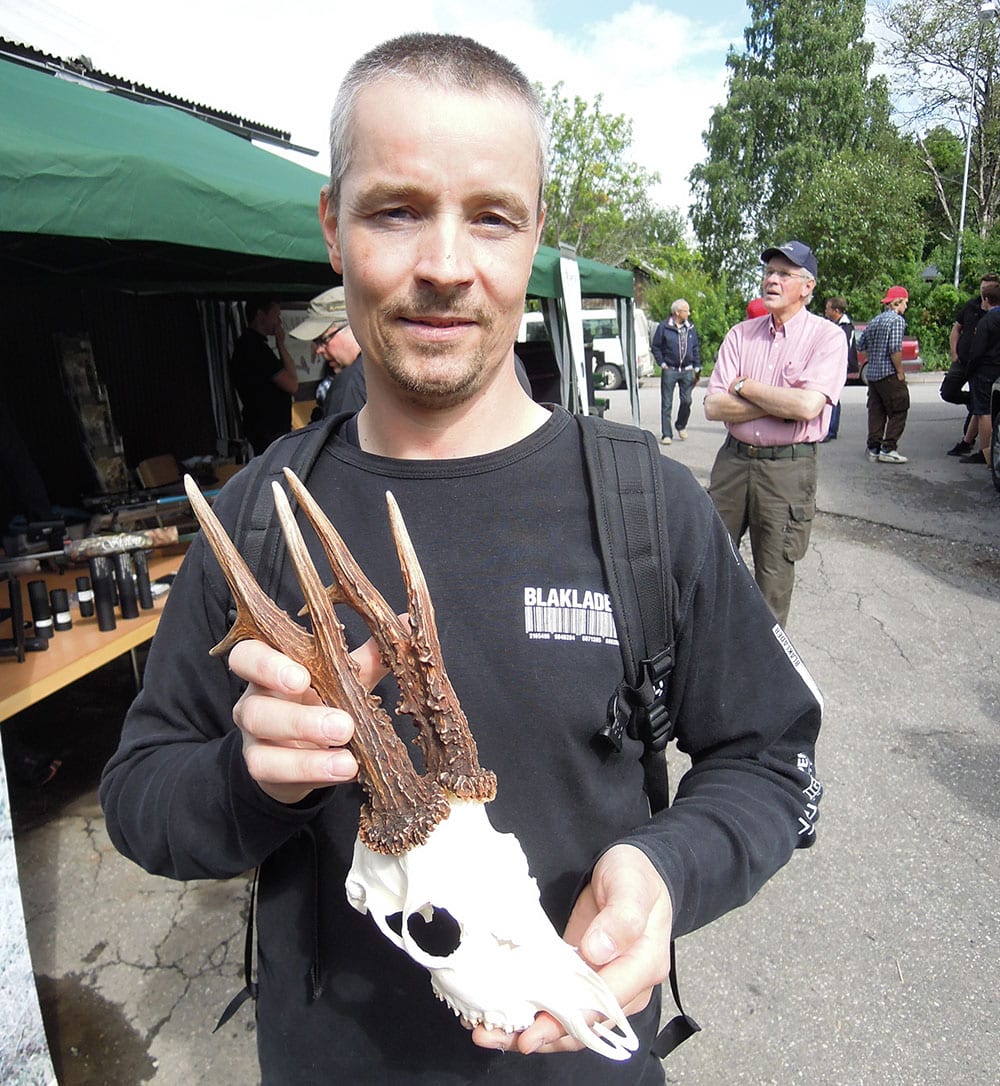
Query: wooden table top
column 77, row 652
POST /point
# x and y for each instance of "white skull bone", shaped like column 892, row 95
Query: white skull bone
column 509, row 962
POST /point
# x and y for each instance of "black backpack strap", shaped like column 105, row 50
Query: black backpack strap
column 623, row 467
column 249, row 989
column 257, row 534
column 626, row 481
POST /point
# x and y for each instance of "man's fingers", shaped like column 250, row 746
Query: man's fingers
column 281, row 720
column 278, row 768
column 267, row 668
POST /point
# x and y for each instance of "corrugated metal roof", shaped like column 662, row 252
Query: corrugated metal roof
column 81, row 69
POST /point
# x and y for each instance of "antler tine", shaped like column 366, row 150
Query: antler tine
column 350, row 584
column 402, row 807
column 446, row 738
column 256, row 615
column 426, row 693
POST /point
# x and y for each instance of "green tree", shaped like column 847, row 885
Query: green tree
column 598, row 198
column 798, row 94
column 947, row 59
column 863, row 238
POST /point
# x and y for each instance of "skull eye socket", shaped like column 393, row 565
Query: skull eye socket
column 435, row 931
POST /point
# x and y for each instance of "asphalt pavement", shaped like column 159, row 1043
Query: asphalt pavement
column 871, row 958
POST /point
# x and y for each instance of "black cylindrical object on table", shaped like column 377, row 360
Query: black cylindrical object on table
column 85, row 596
column 142, row 585
column 126, row 585
column 41, row 612
column 59, row 599
column 102, row 576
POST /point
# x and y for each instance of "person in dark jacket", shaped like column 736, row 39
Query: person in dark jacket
column 983, row 370
column 265, row 379
column 433, row 216
column 836, row 311
column 676, row 348
column 953, row 385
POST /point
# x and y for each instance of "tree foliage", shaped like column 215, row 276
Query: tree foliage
column 598, row 198
column 798, row 95
column 947, row 60
column 863, row 239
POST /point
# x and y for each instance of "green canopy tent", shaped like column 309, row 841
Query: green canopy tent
column 147, row 197
column 560, row 279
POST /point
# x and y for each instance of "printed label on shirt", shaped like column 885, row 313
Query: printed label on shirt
column 569, row 614
column 813, row 792
column 796, row 661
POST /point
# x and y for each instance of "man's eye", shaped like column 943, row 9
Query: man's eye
column 492, row 218
column 400, row 214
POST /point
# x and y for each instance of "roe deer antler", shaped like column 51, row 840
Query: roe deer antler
column 402, row 806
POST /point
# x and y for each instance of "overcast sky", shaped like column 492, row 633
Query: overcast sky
column 662, row 64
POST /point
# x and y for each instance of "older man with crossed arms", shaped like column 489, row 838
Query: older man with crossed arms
column 774, row 385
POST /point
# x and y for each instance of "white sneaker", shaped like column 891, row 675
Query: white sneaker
column 872, row 454
column 666, row 441
column 891, row 456
column 682, row 434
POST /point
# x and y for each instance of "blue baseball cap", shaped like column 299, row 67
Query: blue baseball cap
column 796, row 252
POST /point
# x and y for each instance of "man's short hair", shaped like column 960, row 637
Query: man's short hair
column 989, row 277
column 838, row 303
column 677, row 305
column 444, row 60
column 257, row 305
column 991, row 292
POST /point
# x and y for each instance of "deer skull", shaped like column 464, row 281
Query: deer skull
column 426, row 853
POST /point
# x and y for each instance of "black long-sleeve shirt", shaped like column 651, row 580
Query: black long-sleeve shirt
column 508, row 546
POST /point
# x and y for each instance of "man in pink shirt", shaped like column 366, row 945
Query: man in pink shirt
column 775, row 382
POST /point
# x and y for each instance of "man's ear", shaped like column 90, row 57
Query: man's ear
column 541, row 225
column 329, row 224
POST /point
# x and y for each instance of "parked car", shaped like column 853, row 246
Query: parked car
column 912, row 362
column 995, row 439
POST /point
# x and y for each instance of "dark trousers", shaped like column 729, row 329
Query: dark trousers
column 888, row 404
column 775, row 500
column 669, row 379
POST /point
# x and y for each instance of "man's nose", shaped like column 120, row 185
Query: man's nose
column 446, row 253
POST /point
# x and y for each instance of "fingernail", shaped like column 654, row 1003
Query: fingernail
column 332, row 728
column 294, row 676
column 601, row 948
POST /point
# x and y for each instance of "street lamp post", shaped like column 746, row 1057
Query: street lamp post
column 988, row 9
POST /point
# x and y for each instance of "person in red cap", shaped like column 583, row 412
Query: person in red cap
column 756, row 308
column 888, row 394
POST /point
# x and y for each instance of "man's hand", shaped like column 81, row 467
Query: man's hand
column 621, row 924
column 292, row 743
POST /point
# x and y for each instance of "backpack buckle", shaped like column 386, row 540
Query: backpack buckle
column 640, row 711
column 649, row 720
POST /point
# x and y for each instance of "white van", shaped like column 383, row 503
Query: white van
column 600, row 331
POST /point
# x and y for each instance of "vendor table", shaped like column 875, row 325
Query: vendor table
column 77, row 652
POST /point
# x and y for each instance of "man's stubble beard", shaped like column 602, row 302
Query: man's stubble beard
column 458, row 384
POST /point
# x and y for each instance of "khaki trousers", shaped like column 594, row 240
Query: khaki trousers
column 776, row 501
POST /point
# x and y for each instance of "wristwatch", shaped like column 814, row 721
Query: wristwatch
column 738, row 387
